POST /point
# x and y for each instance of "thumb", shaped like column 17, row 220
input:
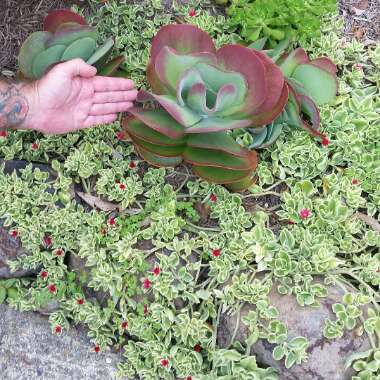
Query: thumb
column 78, row 67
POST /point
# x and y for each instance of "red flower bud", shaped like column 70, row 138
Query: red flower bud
column 58, row 329
column 197, row 348
column 213, row 198
column 325, row 141
column 192, row 13
column 216, row 252
column 304, row 213
column 111, row 221
column 97, row 348
column 120, row 135
column 48, row 241
column 124, row 325
column 132, row 165
column 122, row 186
column 34, row 146
column 164, row 362
column 355, row 181
column 80, row 301
column 156, row 271
column 52, row 288
column 147, row 284
column 58, row 252
column 14, row 233
column 43, row 274
column 3, row 133
column 290, row 222
column 189, row 378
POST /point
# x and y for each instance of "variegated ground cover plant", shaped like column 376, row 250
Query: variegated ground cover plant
column 315, row 228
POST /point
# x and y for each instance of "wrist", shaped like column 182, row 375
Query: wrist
column 33, row 119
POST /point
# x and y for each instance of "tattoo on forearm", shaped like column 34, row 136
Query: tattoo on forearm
column 13, row 107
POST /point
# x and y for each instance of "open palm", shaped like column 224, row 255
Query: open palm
column 72, row 97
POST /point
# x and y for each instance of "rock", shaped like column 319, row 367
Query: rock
column 326, row 357
column 10, row 249
column 29, row 350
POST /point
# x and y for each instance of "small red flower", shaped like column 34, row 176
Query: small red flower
column 325, row 141
column 58, row 252
column 3, row 133
column 14, row 233
column 97, row 348
column 197, row 348
column 192, row 13
column 111, row 221
column 164, row 362
column 122, row 186
column 213, row 198
column 58, row 329
column 147, row 284
column 189, row 378
column 124, row 325
column 52, row 288
column 156, row 271
column 44, row 274
column 290, row 222
column 132, row 165
column 355, row 181
column 48, row 241
column 34, row 146
column 120, row 135
column 216, row 252
column 146, row 310
column 305, row 213
column 80, row 301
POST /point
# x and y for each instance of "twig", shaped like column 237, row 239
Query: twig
column 372, row 222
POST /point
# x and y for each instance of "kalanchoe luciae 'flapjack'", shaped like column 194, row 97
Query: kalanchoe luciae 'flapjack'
column 66, row 36
column 202, row 93
column 311, row 83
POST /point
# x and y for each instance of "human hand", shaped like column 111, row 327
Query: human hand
column 70, row 97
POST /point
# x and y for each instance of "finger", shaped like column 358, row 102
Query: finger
column 97, row 120
column 109, row 108
column 103, row 84
column 114, row 96
column 77, row 67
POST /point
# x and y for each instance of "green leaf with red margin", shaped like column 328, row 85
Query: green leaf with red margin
column 156, row 160
column 326, row 64
column 221, row 175
column 134, row 126
column 110, row 68
column 215, row 158
column 32, row 46
column 161, row 150
column 61, row 16
column 294, row 59
column 159, row 120
column 171, row 66
column 185, row 39
column 214, row 124
column 240, row 59
column 320, row 84
column 220, row 141
column 69, row 35
column 309, row 108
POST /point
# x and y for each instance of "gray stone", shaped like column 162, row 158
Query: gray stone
column 29, row 351
column 10, row 249
column 326, row 357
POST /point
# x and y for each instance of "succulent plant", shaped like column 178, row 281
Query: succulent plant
column 311, row 83
column 66, row 36
column 200, row 94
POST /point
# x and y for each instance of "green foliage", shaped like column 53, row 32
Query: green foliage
column 276, row 19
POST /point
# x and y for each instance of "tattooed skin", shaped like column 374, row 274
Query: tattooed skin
column 13, row 107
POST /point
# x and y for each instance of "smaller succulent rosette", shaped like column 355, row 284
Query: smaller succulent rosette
column 311, row 83
column 200, row 94
column 66, row 36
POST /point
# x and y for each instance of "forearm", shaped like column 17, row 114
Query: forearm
column 15, row 107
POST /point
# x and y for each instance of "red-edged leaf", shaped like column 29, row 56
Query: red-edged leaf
column 159, row 120
column 214, row 124
column 61, row 16
column 274, row 102
column 161, row 150
column 325, row 64
column 69, row 35
column 220, row 141
column 262, row 119
column 110, row 68
column 245, row 61
column 221, row 175
column 309, row 108
column 295, row 58
column 157, row 160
